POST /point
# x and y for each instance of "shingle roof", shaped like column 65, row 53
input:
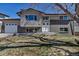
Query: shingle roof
column 4, row 14
column 39, row 11
column 11, row 19
column 35, row 10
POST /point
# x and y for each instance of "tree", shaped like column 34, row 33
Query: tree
column 77, row 9
column 66, row 10
column 64, row 7
column 74, row 17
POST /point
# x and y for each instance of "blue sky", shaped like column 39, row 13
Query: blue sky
column 12, row 8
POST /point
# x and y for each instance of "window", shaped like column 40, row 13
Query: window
column 45, row 18
column 64, row 29
column 63, row 17
column 31, row 17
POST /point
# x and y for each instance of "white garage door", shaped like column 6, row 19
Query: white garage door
column 10, row 28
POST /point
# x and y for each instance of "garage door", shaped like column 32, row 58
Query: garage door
column 10, row 28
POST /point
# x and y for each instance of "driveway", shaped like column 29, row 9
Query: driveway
column 2, row 35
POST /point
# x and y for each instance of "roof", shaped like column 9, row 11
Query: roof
column 35, row 10
column 56, row 14
column 39, row 11
column 11, row 19
column 4, row 14
column 29, row 9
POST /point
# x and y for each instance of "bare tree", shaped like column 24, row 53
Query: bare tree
column 64, row 7
column 77, row 9
column 73, row 17
column 66, row 10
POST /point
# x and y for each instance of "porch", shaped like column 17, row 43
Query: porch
column 30, row 29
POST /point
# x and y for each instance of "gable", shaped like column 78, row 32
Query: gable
column 30, row 11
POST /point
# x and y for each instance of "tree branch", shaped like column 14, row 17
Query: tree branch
column 66, row 11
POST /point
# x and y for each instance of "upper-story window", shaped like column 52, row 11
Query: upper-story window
column 45, row 18
column 31, row 17
column 63, row 17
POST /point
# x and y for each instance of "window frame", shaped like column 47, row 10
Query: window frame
column 45, row 17
column 34, row 17
column 63, row 29
column 63, row 17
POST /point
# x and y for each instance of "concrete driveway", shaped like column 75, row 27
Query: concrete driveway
column 2, row 35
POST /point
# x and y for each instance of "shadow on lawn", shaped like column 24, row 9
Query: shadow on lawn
column 48, row 42
column 67, row 52
column 56, row 42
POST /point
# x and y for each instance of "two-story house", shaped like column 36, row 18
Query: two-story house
column 32, row 20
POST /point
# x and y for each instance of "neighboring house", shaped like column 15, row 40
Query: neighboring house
column 32, row 20
column 2, row 16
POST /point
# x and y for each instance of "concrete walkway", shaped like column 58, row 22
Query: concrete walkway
column 2, row 35
column 47, row 33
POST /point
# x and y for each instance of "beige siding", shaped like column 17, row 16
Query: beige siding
column 56, row 28
column 11, row 21
column 24, row 22
column 55, row 17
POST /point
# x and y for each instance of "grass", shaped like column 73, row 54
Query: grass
column 39, row 51
column 66, row 38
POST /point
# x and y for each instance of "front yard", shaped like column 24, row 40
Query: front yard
column 35, row 45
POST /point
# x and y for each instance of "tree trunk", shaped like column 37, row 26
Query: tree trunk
column 77, row 9
column 68, row 13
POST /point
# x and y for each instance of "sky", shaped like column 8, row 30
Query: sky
column 12, row 8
